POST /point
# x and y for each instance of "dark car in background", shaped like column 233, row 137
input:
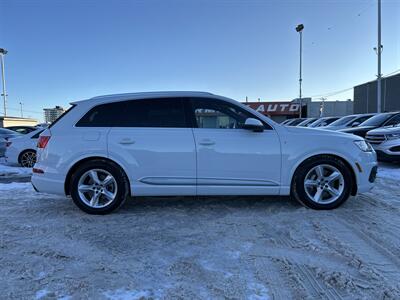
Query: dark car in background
column 348, row 121
column 324, row 121
column 379, row 120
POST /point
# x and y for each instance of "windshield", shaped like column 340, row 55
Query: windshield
column 377, row 120
column 343, row 121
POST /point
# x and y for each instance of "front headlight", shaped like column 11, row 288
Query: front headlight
column 363, row 146
column 393, row 136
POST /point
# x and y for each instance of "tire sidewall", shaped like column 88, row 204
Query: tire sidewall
column 115, row 171
column 298, row 190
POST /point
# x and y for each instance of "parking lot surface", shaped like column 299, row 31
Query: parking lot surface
column 200, row 248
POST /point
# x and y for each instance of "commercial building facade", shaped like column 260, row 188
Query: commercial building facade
column 52, row 114
column 365, row 95
column 280, row 111
column 16, row 121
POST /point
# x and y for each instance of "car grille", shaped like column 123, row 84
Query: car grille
column 375, row 139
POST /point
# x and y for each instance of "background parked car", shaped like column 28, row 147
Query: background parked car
column 5, row 134
column 295, row 122
column 325, row 121
column 22, row 129
column 307, row 122
column 380, row 120
column 348, row 121
column 386, row 142
column 22, row 150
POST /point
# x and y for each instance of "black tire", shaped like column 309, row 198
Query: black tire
column 298, row 190
column 121, row 180
column 30, row 162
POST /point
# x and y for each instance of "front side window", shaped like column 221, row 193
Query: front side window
column 162, row 112
column 211, row 113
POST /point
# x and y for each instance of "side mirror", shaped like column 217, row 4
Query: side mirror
column 355, row 124
column 253, row 124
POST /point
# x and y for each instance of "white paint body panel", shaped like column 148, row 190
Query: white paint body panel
column 193, row 161
column 19, row 145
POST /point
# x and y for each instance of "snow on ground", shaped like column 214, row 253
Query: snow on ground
column 226, row 247
column 8, row 172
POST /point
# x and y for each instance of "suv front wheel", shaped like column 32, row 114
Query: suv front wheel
column 322, row 182
column 99, row 187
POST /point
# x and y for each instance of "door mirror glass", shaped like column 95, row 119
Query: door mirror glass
column 355, row 124
column 253, row 124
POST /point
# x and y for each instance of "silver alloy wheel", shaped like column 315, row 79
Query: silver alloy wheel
column 28, row 159
column 97, row 188
column 324, row 184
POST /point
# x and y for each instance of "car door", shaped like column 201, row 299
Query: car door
column 154, row 143
column 232, row 160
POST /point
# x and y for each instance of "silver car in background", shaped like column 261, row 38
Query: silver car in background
column 386, row 142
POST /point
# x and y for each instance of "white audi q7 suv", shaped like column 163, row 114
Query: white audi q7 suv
column 108, row 148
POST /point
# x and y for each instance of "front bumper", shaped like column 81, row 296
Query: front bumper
column 388, row 150
column 366, row 174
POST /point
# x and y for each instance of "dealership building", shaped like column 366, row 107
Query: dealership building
column 280, row 111
column 365, row 95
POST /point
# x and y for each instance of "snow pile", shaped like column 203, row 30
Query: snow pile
column 9, row 170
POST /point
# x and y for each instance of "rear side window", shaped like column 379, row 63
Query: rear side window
column 165, row 112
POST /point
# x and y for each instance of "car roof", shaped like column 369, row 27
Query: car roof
column 141, row 95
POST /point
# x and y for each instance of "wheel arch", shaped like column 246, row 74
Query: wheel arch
column 342, row 159
column 77, row 164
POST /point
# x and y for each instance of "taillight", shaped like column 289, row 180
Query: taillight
column 42, row 141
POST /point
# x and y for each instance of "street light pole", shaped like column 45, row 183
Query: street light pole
column 299, row 29
column 22, row 114
column 379, row 52
column 4, row 94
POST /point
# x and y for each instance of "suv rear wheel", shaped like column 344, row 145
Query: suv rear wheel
column 99, row 187
column 322, row 182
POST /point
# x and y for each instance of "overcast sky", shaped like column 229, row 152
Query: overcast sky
column 61, row 51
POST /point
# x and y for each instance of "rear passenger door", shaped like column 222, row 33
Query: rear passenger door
column 152, row 140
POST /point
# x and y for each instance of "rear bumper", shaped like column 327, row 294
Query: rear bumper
column 44, row 184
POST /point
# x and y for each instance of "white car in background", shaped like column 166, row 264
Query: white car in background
column 108, row 148
column 386, row 142
column 22, row 150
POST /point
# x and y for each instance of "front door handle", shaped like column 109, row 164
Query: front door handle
column 206, row 142
column 126, row 141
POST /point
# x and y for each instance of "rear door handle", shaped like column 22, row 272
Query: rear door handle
column 126, row 141
column 207, row 142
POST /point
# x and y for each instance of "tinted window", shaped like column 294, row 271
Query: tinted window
column 167, row 112
column 393, row 121
column 359, row 120
column 211, row 113
column 342, row 121
column 377, row 120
